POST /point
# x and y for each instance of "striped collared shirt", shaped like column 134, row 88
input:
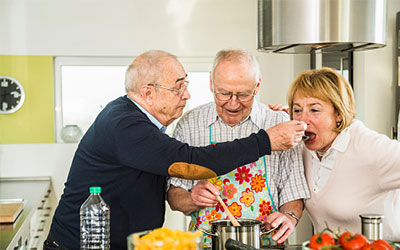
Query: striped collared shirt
column 286, row 179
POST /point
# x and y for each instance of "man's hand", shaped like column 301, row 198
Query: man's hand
column 286, row 135
column 204, row 194
column 286, row 225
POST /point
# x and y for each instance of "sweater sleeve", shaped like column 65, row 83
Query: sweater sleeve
column 180, row 133
column 387, row 161
column 139, row 144
column 385, row 155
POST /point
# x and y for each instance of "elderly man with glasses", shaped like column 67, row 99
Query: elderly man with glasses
column 270, row 189
column 127, row 154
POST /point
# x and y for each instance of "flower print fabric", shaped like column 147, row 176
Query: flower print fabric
column 243, row 175
column 244, row 192
column 257, row 183
column 247, row 198
column 229, row 191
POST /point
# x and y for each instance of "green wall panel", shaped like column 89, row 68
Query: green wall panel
column 34, row 122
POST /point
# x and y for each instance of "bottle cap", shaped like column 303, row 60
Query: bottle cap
column 95, row 190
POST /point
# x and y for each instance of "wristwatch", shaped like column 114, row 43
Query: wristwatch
column 291, row 214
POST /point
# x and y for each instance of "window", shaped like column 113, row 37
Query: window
column 85, row 85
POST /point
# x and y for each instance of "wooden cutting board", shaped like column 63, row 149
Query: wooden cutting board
column 10, row 211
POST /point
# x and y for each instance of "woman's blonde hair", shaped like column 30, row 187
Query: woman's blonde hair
column 329, row 86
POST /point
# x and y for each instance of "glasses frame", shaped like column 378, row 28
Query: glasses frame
column 178, row 91
column 237, row 95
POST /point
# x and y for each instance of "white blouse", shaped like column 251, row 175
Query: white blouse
column 322, row 169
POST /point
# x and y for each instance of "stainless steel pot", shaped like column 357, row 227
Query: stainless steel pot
column 249, row 232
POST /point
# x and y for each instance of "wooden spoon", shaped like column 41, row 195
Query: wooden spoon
column 231, row 217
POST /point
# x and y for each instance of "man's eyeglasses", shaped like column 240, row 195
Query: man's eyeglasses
column 179, row 91
column 228, row 95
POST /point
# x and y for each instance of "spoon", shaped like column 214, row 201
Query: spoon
column 305, row 137
column 231, row 217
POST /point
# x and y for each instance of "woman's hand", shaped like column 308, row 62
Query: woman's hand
column 279, row 107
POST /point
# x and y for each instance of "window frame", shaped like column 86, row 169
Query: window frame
column 191, row 64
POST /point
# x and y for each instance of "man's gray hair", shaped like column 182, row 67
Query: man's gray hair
column 237, row 55
column 147, row 68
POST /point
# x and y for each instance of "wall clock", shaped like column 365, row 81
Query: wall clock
column 12, row 95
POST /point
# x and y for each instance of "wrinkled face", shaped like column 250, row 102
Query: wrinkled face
column 236, row 78
column 167, row 104
column 321, row 119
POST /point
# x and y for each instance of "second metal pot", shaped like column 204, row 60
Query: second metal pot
column 249, row 232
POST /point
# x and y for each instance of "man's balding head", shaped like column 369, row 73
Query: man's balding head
column 147, row 68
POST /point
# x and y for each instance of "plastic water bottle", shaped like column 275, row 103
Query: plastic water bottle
column 95, row 222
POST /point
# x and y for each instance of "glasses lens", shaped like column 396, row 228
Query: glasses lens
column 244, row 98
column 183, row 88
column 227, row 97
column 223, row 97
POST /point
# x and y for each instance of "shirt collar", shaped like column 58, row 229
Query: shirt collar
column 342, row 140
column 158, row 124
column 255, row 115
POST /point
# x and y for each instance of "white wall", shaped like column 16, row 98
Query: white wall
column 30, row 160
column 125, row 27
column 183, row 27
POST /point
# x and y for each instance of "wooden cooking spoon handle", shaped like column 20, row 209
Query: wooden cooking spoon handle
column 231, row 218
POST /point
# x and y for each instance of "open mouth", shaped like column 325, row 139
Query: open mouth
column 309, row 136
column 232, row 111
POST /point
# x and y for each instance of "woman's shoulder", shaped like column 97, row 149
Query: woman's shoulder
column 362, row 136
column 357, row 127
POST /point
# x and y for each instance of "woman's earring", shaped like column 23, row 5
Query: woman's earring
column 338, row 123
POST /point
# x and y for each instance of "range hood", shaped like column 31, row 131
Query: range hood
column 303, row 26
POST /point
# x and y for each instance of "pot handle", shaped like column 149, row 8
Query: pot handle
column 269, row 231
column 206, row 231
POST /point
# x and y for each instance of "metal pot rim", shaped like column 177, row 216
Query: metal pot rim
column 217, row 222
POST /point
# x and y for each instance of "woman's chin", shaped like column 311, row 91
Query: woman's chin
column 310, row 145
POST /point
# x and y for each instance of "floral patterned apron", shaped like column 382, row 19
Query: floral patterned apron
column 246, row 193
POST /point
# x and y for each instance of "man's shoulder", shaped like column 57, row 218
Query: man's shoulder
column 198, row 112
column 202, row 109
column 121, row 111
column 270, row 116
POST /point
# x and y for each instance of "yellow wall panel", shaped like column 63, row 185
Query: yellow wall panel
column 34, row 122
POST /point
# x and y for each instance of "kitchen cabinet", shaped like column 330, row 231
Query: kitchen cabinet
column 32, row 226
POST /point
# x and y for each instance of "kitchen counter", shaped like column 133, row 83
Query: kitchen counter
column 32, row 191
column 286, row 247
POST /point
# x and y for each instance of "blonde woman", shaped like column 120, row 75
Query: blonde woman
column 350, row 169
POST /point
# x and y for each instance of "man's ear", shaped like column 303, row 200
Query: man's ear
column 211, row 84
column 257, row 86
column 146, row 92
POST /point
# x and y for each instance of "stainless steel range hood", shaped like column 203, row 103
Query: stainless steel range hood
column 302, row 26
